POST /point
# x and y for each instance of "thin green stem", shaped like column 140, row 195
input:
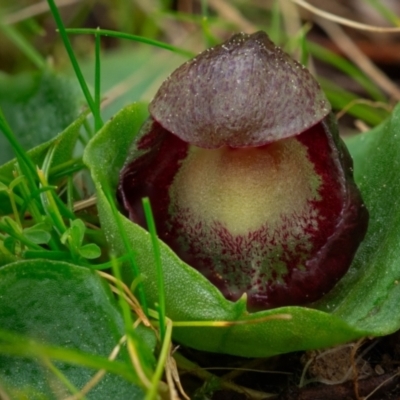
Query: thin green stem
column 62, row 378
column 70, row 194
column 71, row 55
column 66, row 169
column 204, row 9
column 136, row 282
column 19, row 345
column 25, row 162
column 58, row 168
column 127, row 246
column 64, row 209
column 19, row 236
column 162, row 360
column 205, row 26
column 50, row 205
column 304, row 49
column 68, row 172
column 275, row 29
column 97, row 100
column 30, row 202
column 157, row 259
column 109, row 264
column 132, row 343
column 136, row 38
column 122, row 301
column 14, row 207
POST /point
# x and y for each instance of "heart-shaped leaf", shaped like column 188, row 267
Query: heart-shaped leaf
column 38, row 106
column 357, row 307
column 59, row 304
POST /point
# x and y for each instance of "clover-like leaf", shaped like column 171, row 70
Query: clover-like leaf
column 66, row 141
column 90, row 251
column 39, row 233
column 38, row 236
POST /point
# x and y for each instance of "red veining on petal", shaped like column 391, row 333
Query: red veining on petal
column 156, row 158
column 263, row 259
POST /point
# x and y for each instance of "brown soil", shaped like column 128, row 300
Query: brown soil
column 364, row 370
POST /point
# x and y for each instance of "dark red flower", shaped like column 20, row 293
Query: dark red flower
column 247, row 176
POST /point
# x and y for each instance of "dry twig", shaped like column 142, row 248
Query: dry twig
column 349, row 48
column 344, row 21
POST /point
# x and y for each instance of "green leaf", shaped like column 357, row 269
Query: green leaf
column 71, row 316
column 38, row 236
column 90, row 251
column 189, row 296
column 369, row 295
column 12, row 224
column 66, row 142
column 75, row 233
column 37, row 106
column 39, row 233
column 78, row 229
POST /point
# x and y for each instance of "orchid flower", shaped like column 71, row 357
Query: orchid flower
column 248, row 178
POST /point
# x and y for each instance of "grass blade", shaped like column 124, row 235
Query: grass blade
column 157, row 258
column 129, row 251
column 136, row 38
column 71, row 55
column 97, row 116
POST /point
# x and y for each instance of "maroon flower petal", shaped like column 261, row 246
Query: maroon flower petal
column 279, row 222
column 244, row 92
